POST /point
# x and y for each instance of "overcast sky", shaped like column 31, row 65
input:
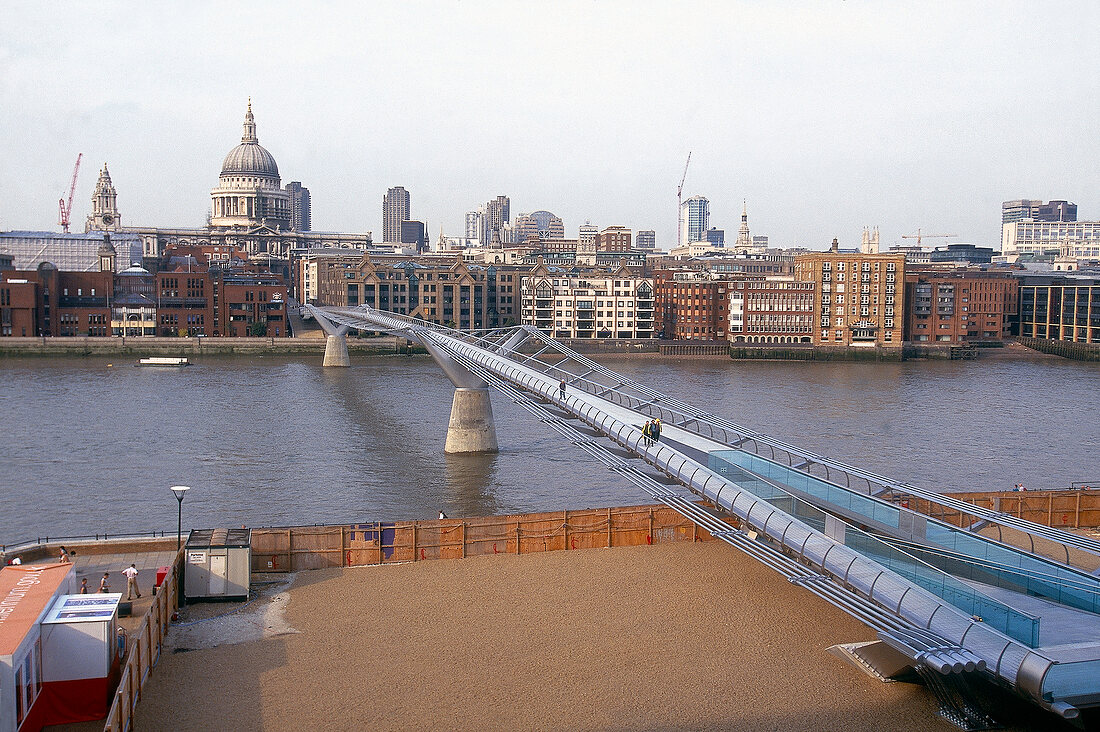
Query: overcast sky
column 825, row 117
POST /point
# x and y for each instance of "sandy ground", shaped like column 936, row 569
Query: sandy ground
column 677, row 637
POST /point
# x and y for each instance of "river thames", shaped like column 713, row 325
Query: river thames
column 268, row 441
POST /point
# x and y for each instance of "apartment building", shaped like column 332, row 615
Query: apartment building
column 958, row 306
column 594, row 304
column 773, row 309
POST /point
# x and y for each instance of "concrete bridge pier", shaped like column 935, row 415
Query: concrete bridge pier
column 336, row 350
column 471, row 428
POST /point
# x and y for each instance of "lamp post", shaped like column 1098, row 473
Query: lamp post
column 179, row 490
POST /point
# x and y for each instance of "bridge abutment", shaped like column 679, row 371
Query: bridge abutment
column 336, row 351
column 471, row 428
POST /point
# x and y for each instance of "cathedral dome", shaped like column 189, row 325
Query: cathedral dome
column 249, row 158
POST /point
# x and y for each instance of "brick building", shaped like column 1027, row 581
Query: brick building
column 771, row 310
column 48, row 302
column 691, row 306
column 860, row 297
column 958, row 306
column 442, row 290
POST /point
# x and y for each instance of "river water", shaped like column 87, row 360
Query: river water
column 265, row 441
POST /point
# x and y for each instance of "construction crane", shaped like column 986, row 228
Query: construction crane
column 918, row 236
column 67, row 206
column 680, row 200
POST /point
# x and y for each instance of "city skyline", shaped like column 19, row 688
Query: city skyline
column 825, row 118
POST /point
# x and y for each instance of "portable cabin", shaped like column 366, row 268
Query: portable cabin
column 81, row 655
column 219, row 564
column 27, row 592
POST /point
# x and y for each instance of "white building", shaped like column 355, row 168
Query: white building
column 609, row 304
column 694, row 220
column 1067, row 239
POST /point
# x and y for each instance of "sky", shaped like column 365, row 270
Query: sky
column 821, row 117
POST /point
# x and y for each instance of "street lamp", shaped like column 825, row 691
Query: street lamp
column 179, row 490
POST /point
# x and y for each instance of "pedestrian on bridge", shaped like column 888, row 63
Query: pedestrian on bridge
column 647, row 432
column 656, row 430
column 561, row 389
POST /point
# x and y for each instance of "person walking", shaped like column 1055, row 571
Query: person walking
column 64, row 558
column 647, row 432
column 83, row 586
column 104, row 586
column 561, row 389
column 131, row 581
column 656, row 430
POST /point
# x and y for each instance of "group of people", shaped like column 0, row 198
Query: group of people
column 130, row 573
column 1019, row 487
column 651, row 430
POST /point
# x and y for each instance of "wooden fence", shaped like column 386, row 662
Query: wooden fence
column 1063, row 509
column 143, row 652
column 314, row 547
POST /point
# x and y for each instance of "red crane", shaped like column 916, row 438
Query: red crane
column 67, row 207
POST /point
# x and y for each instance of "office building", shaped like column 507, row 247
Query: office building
column 770, row 309
column 414, row 233
column 1066, row 239
column 613, row 239
column 646, row 239
column 691, row 306
column 540, row 225
column 694, row 220
column 1060, row 307
column 1037, row 211
column 395, row 209
column 716, row 237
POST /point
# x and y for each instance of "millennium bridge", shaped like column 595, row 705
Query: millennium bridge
column 957, row 595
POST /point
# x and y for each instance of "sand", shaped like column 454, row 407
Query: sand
column 680, row 636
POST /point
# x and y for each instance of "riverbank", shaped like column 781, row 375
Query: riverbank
column 678, row 636
column 382, row 345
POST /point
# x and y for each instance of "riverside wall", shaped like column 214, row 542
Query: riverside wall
column 158, row 346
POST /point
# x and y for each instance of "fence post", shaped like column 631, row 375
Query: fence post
column 343, row 547
column 289, row 550
column 609, row 528
column 518, row 538
column 1077, row 513
column 463, row 539
column 651, row 540
column 414, row 541
column 381, row 554
column 1050, row 509
column 565, row 526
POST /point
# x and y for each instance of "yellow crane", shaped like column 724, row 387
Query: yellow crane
column 918, row 236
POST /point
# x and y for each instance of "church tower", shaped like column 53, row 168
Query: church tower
column 105, row 216
column 744, row 241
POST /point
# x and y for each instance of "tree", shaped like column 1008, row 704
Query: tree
column 257, row 329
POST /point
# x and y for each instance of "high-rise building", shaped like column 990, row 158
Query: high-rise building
column 694, row 220
column 300, row 218
column 1037, row 211
column 496, row 215
column 395, row 209
column 586, row 237
column 646, row 239
column 473, row 225
column 415, row 233
column 717, row 237
column 541, row 224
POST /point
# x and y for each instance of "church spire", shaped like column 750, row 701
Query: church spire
column 249, row 125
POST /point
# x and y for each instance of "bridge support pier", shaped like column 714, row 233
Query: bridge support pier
column 471, row 428
column 336, row 350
